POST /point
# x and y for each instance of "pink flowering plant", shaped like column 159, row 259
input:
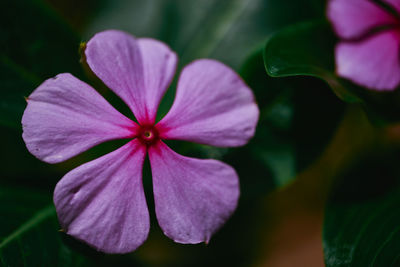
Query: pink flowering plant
column 147, row 158
column 102, row 202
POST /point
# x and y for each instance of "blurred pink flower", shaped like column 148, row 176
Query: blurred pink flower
column 102, row 202
column 368, row 54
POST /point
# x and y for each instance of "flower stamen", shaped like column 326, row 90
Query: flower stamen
column 148, row 135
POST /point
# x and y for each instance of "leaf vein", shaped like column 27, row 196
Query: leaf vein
column 32, row 222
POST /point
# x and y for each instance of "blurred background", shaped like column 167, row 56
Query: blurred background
column 318, row 181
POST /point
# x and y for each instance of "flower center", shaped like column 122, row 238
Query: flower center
column 148, row 135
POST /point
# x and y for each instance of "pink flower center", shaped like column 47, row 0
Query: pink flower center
column 148, row 135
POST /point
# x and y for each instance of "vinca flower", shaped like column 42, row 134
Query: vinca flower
column 102, row 202
column 369, row 52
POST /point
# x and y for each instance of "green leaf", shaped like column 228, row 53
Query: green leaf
column 29, row 233
column 15, row 84
column 307, row 49
column 35, row 46
column 286, row 139
column 362, row 221
column 225, row 30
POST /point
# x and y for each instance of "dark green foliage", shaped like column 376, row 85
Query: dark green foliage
column 361, row 225
column 35, row 45
column 298, row 117
column 29, row 231
column 362, row 220
column 307, row 49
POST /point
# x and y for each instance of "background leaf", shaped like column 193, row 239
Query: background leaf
column 307, row 49
column 362, row 221
column 36, row 46
column 290, row 133
column 28, row 236
column 224, row 30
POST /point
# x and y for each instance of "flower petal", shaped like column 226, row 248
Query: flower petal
column 353, row 18
column 137, row 70
column 373, row 63
column 212, row 106
column 66, row 116
column 102, row 202
column 193, row 197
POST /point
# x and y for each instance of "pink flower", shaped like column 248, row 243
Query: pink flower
column 370, row 31
column 102, row 202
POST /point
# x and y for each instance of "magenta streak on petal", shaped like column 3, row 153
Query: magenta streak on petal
column 159, row 66
column 193, row 197
column 102, row 202
column 65, row 117
column 373, row 62
column 352, row 19
column 137, row 70
column 212, row 106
